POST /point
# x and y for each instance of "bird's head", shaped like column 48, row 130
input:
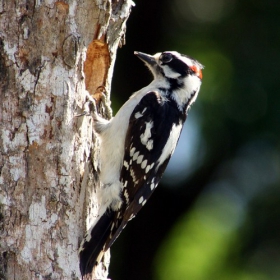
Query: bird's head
column 178, row 74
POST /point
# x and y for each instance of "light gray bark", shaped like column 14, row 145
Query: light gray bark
column 51, row 52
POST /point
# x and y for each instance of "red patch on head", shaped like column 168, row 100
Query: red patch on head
column 197, row 71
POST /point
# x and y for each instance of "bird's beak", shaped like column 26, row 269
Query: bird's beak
column 148, row 59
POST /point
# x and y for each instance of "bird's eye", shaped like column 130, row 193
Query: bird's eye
column 166, row 57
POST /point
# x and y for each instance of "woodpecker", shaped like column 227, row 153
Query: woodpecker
column 136, row 146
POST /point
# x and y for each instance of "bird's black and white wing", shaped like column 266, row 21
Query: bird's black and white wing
column 153, row 131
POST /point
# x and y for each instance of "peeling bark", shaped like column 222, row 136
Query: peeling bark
column 51, row 52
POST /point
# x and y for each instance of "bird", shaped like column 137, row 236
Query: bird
column 136, row 146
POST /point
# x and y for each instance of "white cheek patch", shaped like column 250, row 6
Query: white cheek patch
column 170, row 73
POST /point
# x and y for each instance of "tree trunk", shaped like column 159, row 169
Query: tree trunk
column 51, row 52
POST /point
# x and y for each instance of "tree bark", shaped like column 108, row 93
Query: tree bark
column 51, row 52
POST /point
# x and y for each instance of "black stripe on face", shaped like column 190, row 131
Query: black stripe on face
column 178, row 66
column 175, row 64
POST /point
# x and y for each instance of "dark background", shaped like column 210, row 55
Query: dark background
column 216, row 213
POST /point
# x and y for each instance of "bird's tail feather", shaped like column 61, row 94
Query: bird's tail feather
column 92, row 248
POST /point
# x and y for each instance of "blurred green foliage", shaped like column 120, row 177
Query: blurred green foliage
column 222, row 220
